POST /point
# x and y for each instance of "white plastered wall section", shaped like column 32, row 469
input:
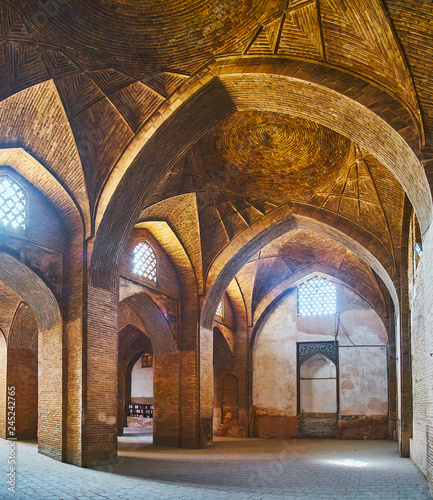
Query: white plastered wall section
column 141, row 381
column 363, row 378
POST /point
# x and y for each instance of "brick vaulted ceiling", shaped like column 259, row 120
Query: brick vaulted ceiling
column 287, row 260
column 254, row 162
column 87, row 76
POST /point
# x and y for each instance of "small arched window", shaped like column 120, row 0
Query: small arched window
column 317, row 296
column 13, row 204
column 145, row 261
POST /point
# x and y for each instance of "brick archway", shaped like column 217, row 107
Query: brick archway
column 233, row 263
column 41, row 301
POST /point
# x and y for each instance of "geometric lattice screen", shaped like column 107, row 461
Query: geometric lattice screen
column 220, row 311
column 317, row 296
column 13, row 203
column 145, row 261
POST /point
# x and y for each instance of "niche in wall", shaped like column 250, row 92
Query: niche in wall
column 318, row 385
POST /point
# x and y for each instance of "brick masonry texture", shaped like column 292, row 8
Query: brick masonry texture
column 252, row 145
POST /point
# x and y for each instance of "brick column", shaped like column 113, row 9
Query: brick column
column 51, row 393
column 206, row 386
column 241, row 354
column 405, row 365
column 73, row 345
column 166, row 400
column 22, row 373
column 121, row 399
column 392, row 380
column 99, row 438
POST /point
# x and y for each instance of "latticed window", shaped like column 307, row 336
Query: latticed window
column 13, row 203
column 145, row 261
column 220, row 309
column 317, row 296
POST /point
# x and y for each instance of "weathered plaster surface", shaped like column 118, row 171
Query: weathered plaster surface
column 363, row 379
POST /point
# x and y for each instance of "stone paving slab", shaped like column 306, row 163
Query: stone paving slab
column 243, row 469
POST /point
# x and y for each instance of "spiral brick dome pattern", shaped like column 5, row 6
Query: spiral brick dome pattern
column 290, row 158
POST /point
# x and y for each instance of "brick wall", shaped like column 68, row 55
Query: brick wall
column 363, row 427
column 418, row 448
column 275, row 426
column 428, row 325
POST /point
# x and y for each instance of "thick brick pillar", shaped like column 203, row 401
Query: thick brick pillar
column 99, row 436
column 176, row 399
column 50, row 392
column 240, row 361
column 90, row 371
column 206, row 386
column 75, row 308
column 166, row 400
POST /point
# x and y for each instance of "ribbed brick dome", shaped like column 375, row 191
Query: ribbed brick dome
column 145, row 35
column 272, row 156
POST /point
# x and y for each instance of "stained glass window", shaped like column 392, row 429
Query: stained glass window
column 13, row 204
column 317, row 296
column 220, row 309
column 145, row 261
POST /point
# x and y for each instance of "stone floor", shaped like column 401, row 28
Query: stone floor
column 233, row 468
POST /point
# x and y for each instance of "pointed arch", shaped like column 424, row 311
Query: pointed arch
column 154, row 322
column 285, row 225
column 33, row 291
column 40, row 299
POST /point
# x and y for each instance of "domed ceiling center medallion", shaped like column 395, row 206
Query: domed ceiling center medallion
column 272, row 156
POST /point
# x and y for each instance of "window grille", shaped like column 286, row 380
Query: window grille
column 220, row 309
column 13, row 203
column 145, row 261
column 317, row 296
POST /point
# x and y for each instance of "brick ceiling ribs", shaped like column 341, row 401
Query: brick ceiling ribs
column 88, row 77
